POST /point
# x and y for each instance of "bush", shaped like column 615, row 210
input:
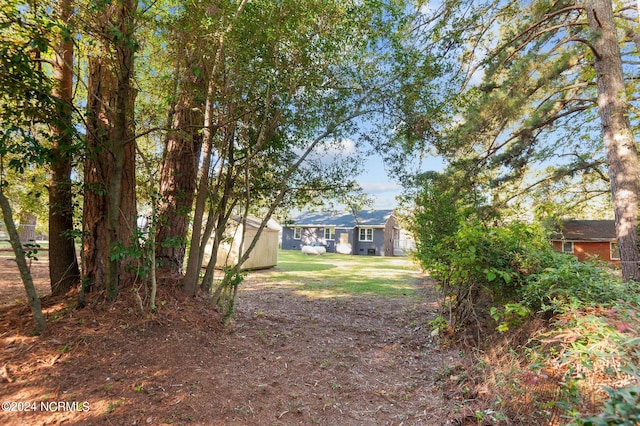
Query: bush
column 516, row 269
column 489, row 263
column 513, row 273
column 566, row 283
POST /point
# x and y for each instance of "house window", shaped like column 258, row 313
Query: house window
column 329, row 233
column 297, row 233
column 366, row 234
column 567, row 247
column 614, row 251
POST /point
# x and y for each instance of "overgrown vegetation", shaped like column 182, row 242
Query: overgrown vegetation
column 499, row 275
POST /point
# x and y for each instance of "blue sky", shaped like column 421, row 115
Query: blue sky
column 374, row 178
column 383, row 189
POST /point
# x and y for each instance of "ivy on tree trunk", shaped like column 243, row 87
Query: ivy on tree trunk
column 179, row 173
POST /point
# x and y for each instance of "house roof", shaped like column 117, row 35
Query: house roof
column 371, row 218
column 586, row 230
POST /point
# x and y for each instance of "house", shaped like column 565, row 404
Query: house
column 369, row 233
column 587, row 239
column 264, row 254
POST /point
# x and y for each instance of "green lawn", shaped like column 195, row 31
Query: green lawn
column 338, row 275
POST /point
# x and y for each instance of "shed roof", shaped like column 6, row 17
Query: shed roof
column 254, row 223
column 343, row 219
column 586, row 230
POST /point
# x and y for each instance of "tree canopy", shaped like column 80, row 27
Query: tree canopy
column 192, row 112
column 544, row 106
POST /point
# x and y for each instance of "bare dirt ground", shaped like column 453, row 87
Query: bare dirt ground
column 285, row 360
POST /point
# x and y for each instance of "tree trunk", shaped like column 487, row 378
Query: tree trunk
column 621, row 152
column 25, row 274
column 197, row 245
column 109, row 212
column 97, row 170
column 190, row 279
column 179, row 173
column 63, row 263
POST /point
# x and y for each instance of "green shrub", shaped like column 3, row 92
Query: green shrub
column 566, row 283
column 490, row 262
column 622, row 408
column 515, row 267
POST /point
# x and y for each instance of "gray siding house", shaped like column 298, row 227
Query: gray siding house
column 369, row 233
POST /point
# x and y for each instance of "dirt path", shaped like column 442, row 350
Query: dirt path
column 335, row 361
column 286, row 359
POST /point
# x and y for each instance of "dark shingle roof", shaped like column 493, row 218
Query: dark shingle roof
column 344, row 219
column 586, row 230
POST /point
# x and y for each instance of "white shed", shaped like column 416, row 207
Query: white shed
column 264, row 254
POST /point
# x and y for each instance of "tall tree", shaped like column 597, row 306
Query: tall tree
column 109, row 212
column 280, row 105
column 63, row 262
column 198, row 241
column 619, row 143
column 183, row 141
column 536, row 75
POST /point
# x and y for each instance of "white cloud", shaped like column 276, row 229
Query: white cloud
column 337, row 147
column 330, row 150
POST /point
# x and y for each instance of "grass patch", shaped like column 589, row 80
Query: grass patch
column 337, row 275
